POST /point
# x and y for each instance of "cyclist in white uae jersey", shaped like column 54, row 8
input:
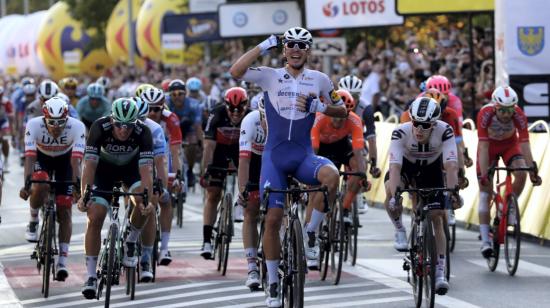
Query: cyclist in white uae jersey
column 293, row 94
column 418, row 150
column 53, row 143
column 251, row 147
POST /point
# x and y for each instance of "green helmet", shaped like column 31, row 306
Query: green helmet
column 142, row 87
column 124, row 110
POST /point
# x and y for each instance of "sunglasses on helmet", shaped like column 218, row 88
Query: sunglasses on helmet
column 510, row 109
column 56, row 122
column 293, row 44
column 236, row 109
column 127, row 125
column 422, row 125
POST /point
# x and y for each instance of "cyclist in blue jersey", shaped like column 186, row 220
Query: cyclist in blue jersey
column 94, row 105
column 189, row 112
column 293, row 94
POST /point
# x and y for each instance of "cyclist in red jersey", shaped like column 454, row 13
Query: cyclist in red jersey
column 502, row 132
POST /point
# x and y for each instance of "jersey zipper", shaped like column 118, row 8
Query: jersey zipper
column 293, row 111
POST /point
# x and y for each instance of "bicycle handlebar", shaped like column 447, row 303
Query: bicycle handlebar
column 116, row 192
column 296, row 190
column 426, row 191
column 214, row 168
column 511, row 169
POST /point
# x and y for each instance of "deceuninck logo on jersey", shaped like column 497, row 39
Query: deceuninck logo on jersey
column 530, row 40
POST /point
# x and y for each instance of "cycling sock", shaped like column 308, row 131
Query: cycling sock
column 133, row 235
column 206, row 233
column 484, row 230
column 348, row 199
column 146, row 252
column 398, row 223
column 63, row 253
column 91, row 265
column 316, row 219
column 34, row 215
column 441, row 262
column 251, row 257
column 164, row 238
column 272, row 271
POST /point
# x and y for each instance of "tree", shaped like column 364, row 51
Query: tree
column 16, row 7
column 94, row 16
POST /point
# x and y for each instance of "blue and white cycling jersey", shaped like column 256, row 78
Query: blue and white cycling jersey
column 159, row 141
column 288, row 149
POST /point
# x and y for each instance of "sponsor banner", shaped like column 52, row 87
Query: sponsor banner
column 330, row 14
column 194, row 27
column 71, row 61
column 405, row 7
column 534, row 95
column 334, row 46
column 172, row 48
column 522, row 53
column 259, row 18
column 203, row 6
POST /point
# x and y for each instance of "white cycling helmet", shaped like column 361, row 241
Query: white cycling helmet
column 48, row 89
column 504, row 96
column 64, row 97
column 29, row 89
column 350, row 83
column 298, row 34
column 425, row 109
column 104, row 81
column 55, row 108
column 153, row 96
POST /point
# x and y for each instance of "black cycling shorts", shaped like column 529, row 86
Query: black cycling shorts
column 223, row 154
column 61, row 166
column 338, row 152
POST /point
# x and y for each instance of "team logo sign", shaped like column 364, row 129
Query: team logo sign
column 530, row 40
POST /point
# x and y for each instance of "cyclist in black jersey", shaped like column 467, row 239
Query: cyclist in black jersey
column 118, row 148
column 221, row 145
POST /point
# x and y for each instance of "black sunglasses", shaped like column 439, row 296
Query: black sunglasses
column 56, row 122
column 127, row 125
column 423, row 125
column 301, row 45
column 237, row 109
column 155, row 109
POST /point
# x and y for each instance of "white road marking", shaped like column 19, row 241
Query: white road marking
column 7, row 297
column 383, row 274
column 525, row 269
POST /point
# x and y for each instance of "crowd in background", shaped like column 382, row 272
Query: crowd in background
column 392, row 68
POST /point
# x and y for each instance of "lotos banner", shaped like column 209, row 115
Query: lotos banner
column 331, row 14
column 194, row 27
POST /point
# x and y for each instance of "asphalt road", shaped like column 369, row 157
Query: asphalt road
column 377, row 279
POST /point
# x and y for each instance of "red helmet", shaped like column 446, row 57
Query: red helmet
column 164, row 84
column 235, row 97
column 348, row 99
column 440, row 83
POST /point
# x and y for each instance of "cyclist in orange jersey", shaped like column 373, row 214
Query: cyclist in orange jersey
column 341, row 141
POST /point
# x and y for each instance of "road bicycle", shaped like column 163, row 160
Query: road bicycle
column 178, row 197
column 421, row 260
column 223, row 230
column 506, row 228
column 292, row 268
column 46, row 248
column 111, row 255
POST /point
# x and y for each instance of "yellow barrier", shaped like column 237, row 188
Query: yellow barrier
column 534, row 201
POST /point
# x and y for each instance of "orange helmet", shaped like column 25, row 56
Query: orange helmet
column 348, row 99
column 436, row 95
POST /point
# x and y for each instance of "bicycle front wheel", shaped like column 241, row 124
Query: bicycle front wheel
column 416, row 265
column 296, row 269
column 48, row 252
column 179, row 210
column 324, row 246
column 337, row 242
column 227, row 231
column 492, row 261
column 354, row 231
column 512, row 237
column 430, row 261
column 109, row 276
